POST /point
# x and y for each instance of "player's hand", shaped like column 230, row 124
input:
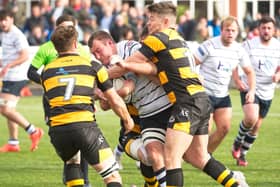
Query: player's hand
column 115, row 59
column 240, row 85
column 250, row 96
column 4, row 71
column 129, row 124
column 276, row 77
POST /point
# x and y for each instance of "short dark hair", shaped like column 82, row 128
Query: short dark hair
column 65, row 17
column 6, row 13
column 99, row 35
column 63, row 38
column 163, row 8
column 266, row 19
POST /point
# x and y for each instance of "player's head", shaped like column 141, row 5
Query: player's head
column 6, row 20
column 65, row 39
column 161, row 15
column 102, row 46
column 266, row 28
column 65, row 20
column 229, row 30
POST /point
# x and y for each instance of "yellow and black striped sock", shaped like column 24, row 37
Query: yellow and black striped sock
column 73, row 175
column 220, row 173
column 149, row 176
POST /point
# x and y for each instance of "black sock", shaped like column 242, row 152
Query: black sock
column 175, row 177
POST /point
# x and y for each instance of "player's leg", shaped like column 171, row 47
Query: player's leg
column 176, row 143
column 13, row 142
column 251, row 112
column 99, row 155
column 153, row 136
column 251, row 136
column 197, row 155
column 8, row 102
column 84, row 169
column 73, row 173
column 149, row 176
column 222, row 116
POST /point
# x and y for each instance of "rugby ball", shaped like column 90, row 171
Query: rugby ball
column 118, row 84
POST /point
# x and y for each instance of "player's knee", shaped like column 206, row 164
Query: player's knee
column 7, row 106
column 250, row 121
column 144, row 156
column 109, row 171
column 113, row 180
column 155, row 152
column 73, row 175
column 223, row 130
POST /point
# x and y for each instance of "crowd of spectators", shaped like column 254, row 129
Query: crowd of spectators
column 121, row 20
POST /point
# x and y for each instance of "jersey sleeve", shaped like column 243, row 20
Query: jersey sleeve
column 202, row 51
column 152, row 45
column 102, row 77
column 45, row 54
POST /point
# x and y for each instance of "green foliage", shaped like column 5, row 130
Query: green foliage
column 43, row 168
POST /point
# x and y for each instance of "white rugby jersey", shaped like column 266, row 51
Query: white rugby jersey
column 148, row 97
column 265, row 60
column 12, row 43
column 217, row 63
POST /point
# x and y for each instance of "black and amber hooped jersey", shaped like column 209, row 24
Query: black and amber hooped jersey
column 68, row 83
column 175, row 64
column 135, row 116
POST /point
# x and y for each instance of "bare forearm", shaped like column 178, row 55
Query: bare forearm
column 251, row 80
column 141, row 68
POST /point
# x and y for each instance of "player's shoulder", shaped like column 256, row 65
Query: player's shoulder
column 127, row 44
column 46, row 46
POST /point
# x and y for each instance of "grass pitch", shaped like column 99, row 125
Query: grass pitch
column 43, row 168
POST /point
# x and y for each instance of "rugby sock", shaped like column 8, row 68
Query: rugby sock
column 30, row 129
column 174, row 178
column 161, row 177
column 248, row 142
column 84, row 169
column 149, row 176
column 13, row 142
column 220, row 173
column 242, row 132
column 119, row 149
column 73, row 175
column 114, row 184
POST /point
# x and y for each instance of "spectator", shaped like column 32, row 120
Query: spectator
column 188, row 27
column 36, row 37
column 202, row 33
column 107, row 19
column 215, row 27
column 253, row 30
column 36, row 19
column 118, row 27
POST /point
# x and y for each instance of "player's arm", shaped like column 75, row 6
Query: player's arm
column 249, row 71
column 115, row 101
column 33, row 75
column 139, row 64
column 119, row 107
column 38, row 60
column 23, row 56
column 276, row 76
column 238, row 82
